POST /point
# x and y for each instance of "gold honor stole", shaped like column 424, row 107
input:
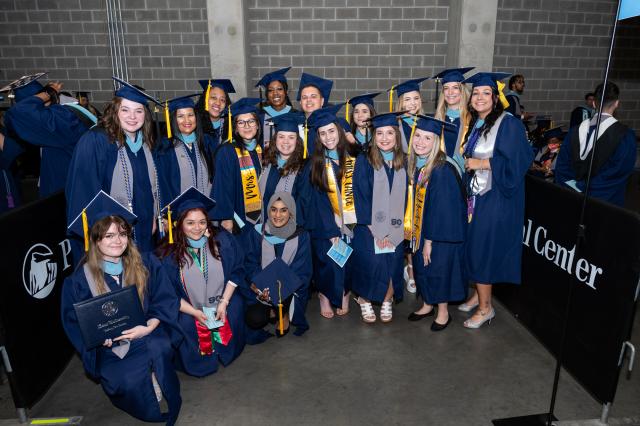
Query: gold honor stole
column 414, row 213
column 250, row 188
column 348, row 215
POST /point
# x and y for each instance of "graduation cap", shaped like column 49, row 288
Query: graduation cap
column 323, row 85
column 412, row 85
column 453, row 75
column 278, row 75
column 101, row 206
column 281, row 281
column 25, row 86
column 324, row 116
column 191, row 198
column 133, row 93
column 242, row 106
column 556, row 132
column 430, row 124
column 491, row 79
column 357, row 100
column 221, row 83
column 175, row 104
column 80, row 94
column 386, row 119
column 288, row 122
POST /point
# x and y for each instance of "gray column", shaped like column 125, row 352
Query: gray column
column 226, row 24
column 472, row 32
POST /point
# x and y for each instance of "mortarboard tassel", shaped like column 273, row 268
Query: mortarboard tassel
column 170, row 225
column 346, row 113
column 230, row 136
column 281, row 325
column 391, row 99
column 306, row 131
column 166, row 118
column 85, row 229
column 206, row 97
column 501, row 96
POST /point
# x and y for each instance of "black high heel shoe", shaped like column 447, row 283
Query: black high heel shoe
column 417, row 317
column 439, row 327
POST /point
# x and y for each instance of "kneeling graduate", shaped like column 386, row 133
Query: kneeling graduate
column 135, row 369
column 204, row 264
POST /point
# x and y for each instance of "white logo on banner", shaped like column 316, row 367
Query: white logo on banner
column 40, row 269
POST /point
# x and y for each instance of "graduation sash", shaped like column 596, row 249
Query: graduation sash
column 387, row 209
column 250, row 187
column 189, row 175
column 122, row 179
column 342, row 202
column 415, row 213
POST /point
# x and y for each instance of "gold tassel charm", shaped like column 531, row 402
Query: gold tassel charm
column 85, row 229
column 306, row 136
column 230, row 136
column 281, row 323
column 346, row 113
column 391, row 98
column 170, row 225
column 206, row 97
column 166, row 118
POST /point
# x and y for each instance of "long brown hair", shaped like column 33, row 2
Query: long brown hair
column 318, row 170
column 111, row 124
column 295, row 162
column 179, row 247
column 489, row 120
column 375, row 158
column 135, row 273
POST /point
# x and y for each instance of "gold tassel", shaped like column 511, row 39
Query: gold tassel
column 206, row 97
column 166, row 118
column 85, row 229
column 413, row 130
column 306, row 131
column 346, row 113
column 391, row 99
column 280, row 308
column 501, row 96
column 230, row 136
column 170, row 225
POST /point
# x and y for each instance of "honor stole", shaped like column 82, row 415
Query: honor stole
column 250, row 187
column 346, row 215
column 414, row 213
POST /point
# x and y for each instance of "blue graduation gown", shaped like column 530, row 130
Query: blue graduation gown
column 301, row 266
column 373, row 270
column 444, row 222
column 451, row 136
column 8, row 181
column 91, row 170
column 610, row 183
column 167, row 166
column 127, row 381
column 189, row 359
column 55, row 129
column 300, row 192
column 494, row 238
column 328, row 277
column 227, row 183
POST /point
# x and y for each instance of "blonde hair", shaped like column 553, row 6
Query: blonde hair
column 441, row 110
column 434, row 159
column 375, row 158
column 400, row 104
column 135, row 273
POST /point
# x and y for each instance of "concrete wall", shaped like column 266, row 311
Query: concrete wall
column 561, row 48
column 167, row 39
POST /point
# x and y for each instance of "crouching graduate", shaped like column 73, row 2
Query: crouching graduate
column 380, row 187
column 438, row 223
column 279, row 249
column 135, row 369
column 204, row 264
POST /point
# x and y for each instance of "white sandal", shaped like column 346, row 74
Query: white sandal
column 386, row 311
column 411, row 286
column 366, row 311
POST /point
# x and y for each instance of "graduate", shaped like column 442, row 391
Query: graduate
column 615, row 152
column 9, row 183
column 116, row 157
column 544, row 163
column 238, row 165
column 279, row 240
column 410, row 103
column 205, row 265
column 380, row 189
column 437, row 225
column 497, row 156
column 184, row 159
column 136, row 369
column 38, row 119
column 313, row 94
column 362, row 111
column 452, row 108
column 277, row 100
column 332, row 215
column 284, row 168
column 213, row 109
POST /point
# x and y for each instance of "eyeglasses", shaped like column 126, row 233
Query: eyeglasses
column 247, row 123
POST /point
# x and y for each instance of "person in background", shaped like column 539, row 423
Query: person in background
column 516, row 89
column 544, row 163
column 584, row 112
column 313, row 94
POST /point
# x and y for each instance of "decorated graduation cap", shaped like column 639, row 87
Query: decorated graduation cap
column 101, row 206
column 25, row 86
column 279, row 75
column 175, row 104
column 133, row 93
column 288, row 122
column 453, row 75
column 491, row 79
column 386, row 119
column 323, row 85
column 366, row 99
column 191, row 198
column 412, row 85
column 281, row 281
column 556, row 132
column 324, row 116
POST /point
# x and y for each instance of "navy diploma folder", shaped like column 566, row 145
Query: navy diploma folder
column 105, row 316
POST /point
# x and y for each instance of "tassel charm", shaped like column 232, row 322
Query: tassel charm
column 206, row 97
column 170, row 225
column 85, row 229
column 166, row 118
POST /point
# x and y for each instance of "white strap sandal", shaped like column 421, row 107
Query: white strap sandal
column 366, row 311
column 411, row 286
column 386, row 311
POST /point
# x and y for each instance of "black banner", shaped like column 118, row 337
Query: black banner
column 36, row 259
column 604, row 274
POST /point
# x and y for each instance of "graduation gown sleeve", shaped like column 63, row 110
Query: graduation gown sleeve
column 226, row 184
column 362, row 189
column 444, row 218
